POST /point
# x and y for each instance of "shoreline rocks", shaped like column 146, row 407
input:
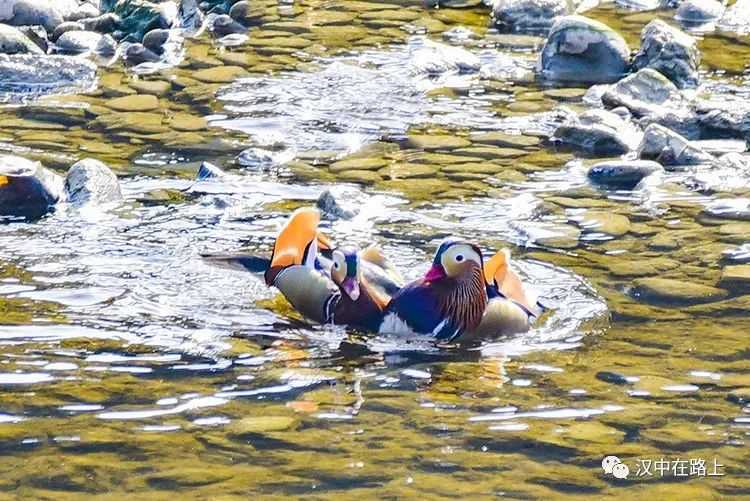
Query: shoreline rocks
column 583, row 50
column 29, row 190
column 599, row 132
column 527, row 15
column 669, row 51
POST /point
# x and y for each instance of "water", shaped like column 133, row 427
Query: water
column 131, row 367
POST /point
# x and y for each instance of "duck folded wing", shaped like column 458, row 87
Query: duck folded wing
column 308, row 291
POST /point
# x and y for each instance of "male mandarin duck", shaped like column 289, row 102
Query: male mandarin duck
column 337, row 292
column 460, row 296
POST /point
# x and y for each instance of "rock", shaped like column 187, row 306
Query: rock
column 153, row 87
column 697, row 12
column 737, row 17
column 26, row 188
column 77, row 42
column 608, row 223
column 136, row 102
column 224, row 25
column 653, row 98
column 106, row 23
column 358, row 164
column 138, row 17
column 436, row 142
column 154, row 40
column 505, row 140
column 330, row 207
column 667, row 291
column 660, row 141
column 244, row 13
column 583, row 50
column 527, row 15
column 736, row 278
column 434, row 58
column 13, row 41
column 669, row 51
column 65, row 27
column 219, row 74
column 643, row 93
column 189, row 17
column 724, row 115
column 136, row 53
column 89, row 181
column 48, row 13
column 260, row 158
column 42, row 74
column 624, row 174
column 84, row 10
column 614, row 378
column 599, row 132
column 738, row 255
column 261, row 424
column 208, row 170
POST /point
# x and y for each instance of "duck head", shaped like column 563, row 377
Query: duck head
column 345, row 271
column 453, row 259
column 297, row 243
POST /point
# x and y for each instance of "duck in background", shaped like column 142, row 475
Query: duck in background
column 460, row 297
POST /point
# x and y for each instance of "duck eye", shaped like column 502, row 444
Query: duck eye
column 336, row 265
column 459, row 258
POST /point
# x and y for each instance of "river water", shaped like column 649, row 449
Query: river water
column 132, row 367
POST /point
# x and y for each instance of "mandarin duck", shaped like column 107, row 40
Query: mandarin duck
column 458, row 296
column 337, row 293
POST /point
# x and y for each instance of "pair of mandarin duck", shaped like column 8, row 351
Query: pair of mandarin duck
column 460, row 297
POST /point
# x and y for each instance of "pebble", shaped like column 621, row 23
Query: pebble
column 608, row 223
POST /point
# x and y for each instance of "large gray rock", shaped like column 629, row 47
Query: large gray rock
column 672, row 148
column 583, row 50
column 65, row 27
column 89, row 181
column 435, row 58
column 13, row 41
column 644, row 93
column 106, row 23
column 625, row 174
column 737, row 17
column 599, row 132
column 41, row 74
column 48, row 13
column 26, row 188
column 669, row 51
column 527, row 15
column 247, row 13
column 77, row 42
column 653, row 98
column 724, row 115
column 692, row 12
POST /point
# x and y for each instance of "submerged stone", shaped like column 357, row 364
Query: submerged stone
column 583, row 50
column 330, row 207
column 608, row 223
column 624, row 174
column 27, row 189
column 675, row 292
column 136, row 102
column 671, row 52
column 90, row 181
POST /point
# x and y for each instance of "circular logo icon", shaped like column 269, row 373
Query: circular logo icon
column 620, row 470
column 609, row 462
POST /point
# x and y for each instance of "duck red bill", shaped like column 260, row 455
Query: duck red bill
column 351, row 287
column 435, row 273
